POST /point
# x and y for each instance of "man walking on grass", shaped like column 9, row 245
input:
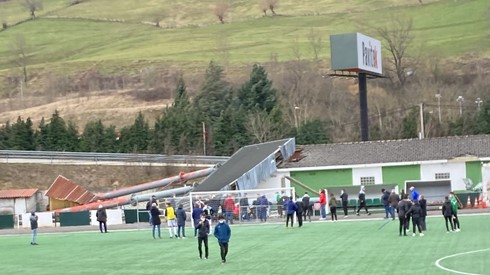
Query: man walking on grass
column 33, row 219
column 222, row 232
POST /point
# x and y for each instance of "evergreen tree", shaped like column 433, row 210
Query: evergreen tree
column 22, row 135
column 215, row 95
column 93, row 137
column 230, row 132
column 57, row 134
column 72, row 138
column 41, row 136
column 482, row 124
column 135, row 138
column 409, row 125
column 257, row 93
column 4, row 136
column 312, row 132
column 110, row 141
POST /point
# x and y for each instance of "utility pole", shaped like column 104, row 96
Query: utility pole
column 438, row 96
column 422, row 126
column 204, row 137
column 363, row 106
column 478, row 103
column 460, row 101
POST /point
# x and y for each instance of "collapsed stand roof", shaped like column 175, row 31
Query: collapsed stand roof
column 248, row 166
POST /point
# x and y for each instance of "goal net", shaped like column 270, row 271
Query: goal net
column 243, row 206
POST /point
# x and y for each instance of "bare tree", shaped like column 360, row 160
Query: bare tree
column 398, row 38
column 262, row 127
column 268, row 5
column 220, row 10
column 33, row 6
column 20, row 55
column 157, row 18
column 316, row 43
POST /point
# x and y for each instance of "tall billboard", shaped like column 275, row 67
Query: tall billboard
column 355, row 52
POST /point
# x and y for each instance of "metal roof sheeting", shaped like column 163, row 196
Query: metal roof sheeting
column 64, row 189
column 17, row 193
column 392, row 151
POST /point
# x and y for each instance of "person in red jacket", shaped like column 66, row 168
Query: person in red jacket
column 229, row 206
column 323, row 204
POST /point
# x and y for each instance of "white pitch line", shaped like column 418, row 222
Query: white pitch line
column 456, row 255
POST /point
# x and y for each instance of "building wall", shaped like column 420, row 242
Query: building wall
column 399, row 174
column 20, row 206
column 55, row 204
column 473, row 171
column 322, row 179
column 274, row 181
column 375, row 172
column 7, row 206
column 457, row 172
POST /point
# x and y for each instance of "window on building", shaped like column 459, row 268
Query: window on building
column 368, row 181
column 442, row 176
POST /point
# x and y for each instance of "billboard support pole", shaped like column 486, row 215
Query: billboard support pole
column 363, row 106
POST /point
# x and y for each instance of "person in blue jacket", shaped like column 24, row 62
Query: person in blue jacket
column 196, row 217
column 290, row 207
column 222, row 232
column 414, row 195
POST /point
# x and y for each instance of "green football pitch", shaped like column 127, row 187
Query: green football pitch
column 346, row 247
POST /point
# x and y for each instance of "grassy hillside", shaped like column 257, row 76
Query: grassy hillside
column 448, row 28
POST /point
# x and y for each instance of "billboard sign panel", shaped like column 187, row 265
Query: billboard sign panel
column 355, row 52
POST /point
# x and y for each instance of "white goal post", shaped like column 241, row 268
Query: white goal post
column 243, row 206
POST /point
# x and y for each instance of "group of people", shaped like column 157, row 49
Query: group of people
column 202, row 215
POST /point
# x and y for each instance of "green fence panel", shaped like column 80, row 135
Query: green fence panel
column 75, row 218
column 6, row 221
column 130, row 215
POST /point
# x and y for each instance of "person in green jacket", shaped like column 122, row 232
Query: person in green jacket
column 455, row 205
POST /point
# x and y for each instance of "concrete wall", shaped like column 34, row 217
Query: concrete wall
column 18, row 206
column 457, row 173
column 45, row 219
column 114, row 216
column 274, row 181
column 375, row 172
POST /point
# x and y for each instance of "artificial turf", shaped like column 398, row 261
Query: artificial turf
column 345, row 247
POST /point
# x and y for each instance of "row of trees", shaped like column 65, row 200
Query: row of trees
column 219, row 119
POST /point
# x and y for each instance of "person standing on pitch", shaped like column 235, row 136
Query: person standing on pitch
column 414, row 195
column 181, row 217
column 171, row 220
column 402, row 208
column 447, row 212
column 394, row 199
column 323, row 204
column 455, row 206
column 149, row 205
column 102, row 218
column 345, row 201
column 385, row 198
column 155, row 219
column 307, row 208
column 222, row 232
column 203, row 232
column 416, row 212
column 290, row 207
column 33, row 219
column 299, row 211
column 362, row 201
column 423, row 205
column 332, row 203
column 196, row 217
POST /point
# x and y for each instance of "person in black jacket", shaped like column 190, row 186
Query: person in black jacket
column 447, row 212
column 181, row 218
column 402, row 208
column 155, row 219
column 203, row 232
column 385, row 199
column 416, row 212
column 394, row 199
column 299, row 211
column 362, row 201
column 307, row 207
column 423, row 205
column 345, row 201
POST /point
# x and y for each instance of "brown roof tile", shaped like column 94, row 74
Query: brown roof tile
column 17, row 193
column 64, row 189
